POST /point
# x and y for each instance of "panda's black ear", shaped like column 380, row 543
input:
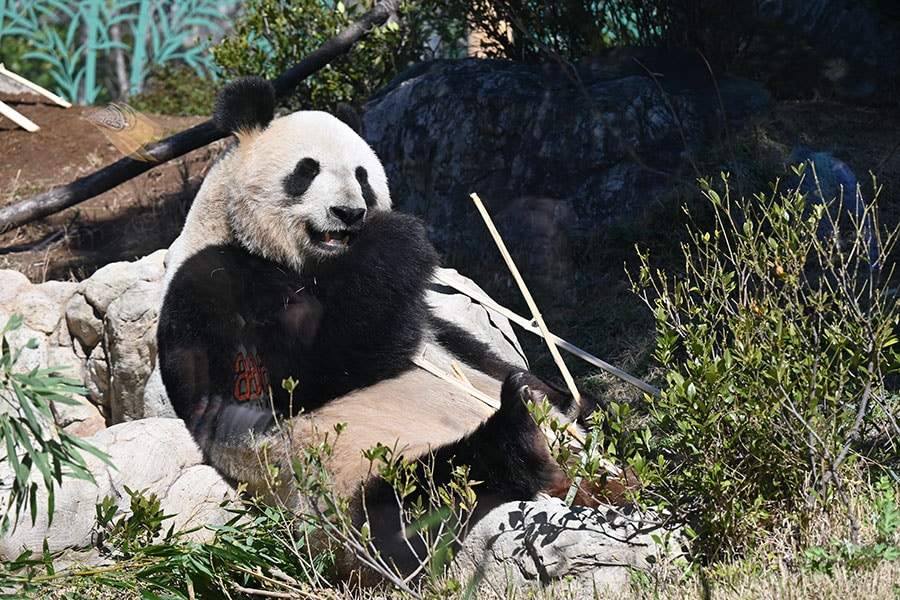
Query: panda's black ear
column 244, row 105
column 348, row 115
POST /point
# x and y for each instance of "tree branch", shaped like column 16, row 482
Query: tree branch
column 65, row 196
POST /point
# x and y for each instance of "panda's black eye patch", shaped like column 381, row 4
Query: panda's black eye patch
column 362, row 176
column 299, row 180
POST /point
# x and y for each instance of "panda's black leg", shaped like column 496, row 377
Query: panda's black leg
column 507, row 455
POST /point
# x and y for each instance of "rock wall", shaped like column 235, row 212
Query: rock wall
column 551, row 156
column 102, row 330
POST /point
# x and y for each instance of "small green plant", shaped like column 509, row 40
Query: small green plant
column 433, row 516
column 29, row 436
column 133, row 531
column 885, row 546
column 778, row 342
column 259, row 551
column 528, row 31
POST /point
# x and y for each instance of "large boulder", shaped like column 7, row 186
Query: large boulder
column 553, row 153
column 187, row 489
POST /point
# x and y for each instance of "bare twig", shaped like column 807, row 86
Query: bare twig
column 65, row 196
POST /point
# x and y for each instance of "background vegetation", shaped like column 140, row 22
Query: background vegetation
column 775, row 443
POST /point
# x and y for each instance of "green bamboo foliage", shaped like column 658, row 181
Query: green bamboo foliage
column 74, row 38
column 33, row 450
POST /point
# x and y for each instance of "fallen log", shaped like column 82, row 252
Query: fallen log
column 85, row 188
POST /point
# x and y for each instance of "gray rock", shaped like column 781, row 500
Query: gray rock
column 486, row 325
column 12, row 283
column 528, row 545
column 83, row 322
column 156, row 400
column 112, row 281
column 535, row 146
column 29, row 358
column 96, row 376
column 130, row 339
column 186, row 488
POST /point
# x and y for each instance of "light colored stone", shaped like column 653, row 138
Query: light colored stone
column 156, row 400
column 486, row 325
column 96, row 376
column 83, row 322
column 41, row 313
column 12, row 283
column 29, row 358
column 527, row 545
column 113, row 280
column 152, row 455
column 130, row 339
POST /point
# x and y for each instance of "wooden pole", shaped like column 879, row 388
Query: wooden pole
column 34, row 87
column 18, row 118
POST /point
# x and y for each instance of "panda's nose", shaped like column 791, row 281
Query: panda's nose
column 348, row 214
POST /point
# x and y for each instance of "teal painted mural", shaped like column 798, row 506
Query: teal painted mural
column 89, row 47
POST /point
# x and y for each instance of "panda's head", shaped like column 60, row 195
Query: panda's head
column 300, row 186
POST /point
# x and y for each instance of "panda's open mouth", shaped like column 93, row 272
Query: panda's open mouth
column 330, row 239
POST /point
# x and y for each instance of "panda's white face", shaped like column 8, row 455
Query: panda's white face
column 301, row 188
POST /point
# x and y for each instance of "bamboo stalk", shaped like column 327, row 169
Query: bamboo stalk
column 532, row 327
column 461, row 384
column 532, row 306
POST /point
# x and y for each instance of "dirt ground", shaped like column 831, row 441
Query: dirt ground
column 125, row 223
column 146, row 213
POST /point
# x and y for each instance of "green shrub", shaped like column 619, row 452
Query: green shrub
column 528, row 31
column 273, row 36
column 777, row 343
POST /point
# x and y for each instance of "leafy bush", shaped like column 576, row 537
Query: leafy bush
column 30, row 438
column 273, row 36
column 778, row 343
column 83, row 40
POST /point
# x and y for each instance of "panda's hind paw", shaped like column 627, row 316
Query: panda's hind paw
column 516, row 391
column 524, row 385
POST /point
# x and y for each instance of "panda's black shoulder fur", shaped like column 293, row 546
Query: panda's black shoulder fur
column 246, row 104
column 350, row 321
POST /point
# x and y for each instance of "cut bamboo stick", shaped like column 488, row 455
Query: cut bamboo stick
column 34, row 87
column 532, row 327
column 532, row 306
column 18, row 118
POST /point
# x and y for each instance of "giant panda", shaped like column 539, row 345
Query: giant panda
column 292, row 264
